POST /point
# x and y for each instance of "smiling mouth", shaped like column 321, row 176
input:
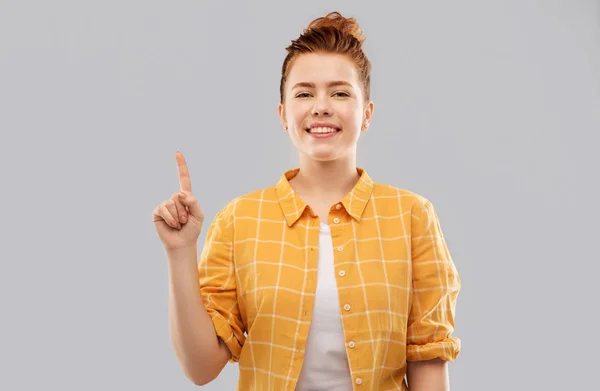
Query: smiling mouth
column 319, row 130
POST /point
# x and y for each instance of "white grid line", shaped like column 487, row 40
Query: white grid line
column 383, row 265
column 283, row 231
column 260, row 204
column 253, row 240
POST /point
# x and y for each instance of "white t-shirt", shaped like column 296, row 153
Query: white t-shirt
column 325, row 365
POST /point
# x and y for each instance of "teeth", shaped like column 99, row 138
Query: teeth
column 322, row 130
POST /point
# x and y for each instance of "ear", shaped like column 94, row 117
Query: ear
column 368, row 116
column 281, row 114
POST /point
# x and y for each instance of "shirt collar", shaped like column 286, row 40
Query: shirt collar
column 293, row 206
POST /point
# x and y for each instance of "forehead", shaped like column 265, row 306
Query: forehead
column 321, row 68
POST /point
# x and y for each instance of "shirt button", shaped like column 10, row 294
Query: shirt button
column 336, row 220
column 340, row 248
column 358, row 381
column 342, row 273
column 338, row 206
column 351, row 344
column 347, row 307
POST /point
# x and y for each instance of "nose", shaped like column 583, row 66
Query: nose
column 321, row 107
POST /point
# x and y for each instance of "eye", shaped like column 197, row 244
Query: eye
column 345, row 94
column 300, row 95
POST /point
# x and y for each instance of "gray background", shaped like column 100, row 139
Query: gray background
column 490, row 109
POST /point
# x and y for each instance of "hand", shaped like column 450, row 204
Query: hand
column 178, row 220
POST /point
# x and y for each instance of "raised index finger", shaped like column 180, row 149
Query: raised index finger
column 184, row 176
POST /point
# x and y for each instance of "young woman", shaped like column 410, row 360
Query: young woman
column 326, row 280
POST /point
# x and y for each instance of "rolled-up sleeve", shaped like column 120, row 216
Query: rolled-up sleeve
column 435, row 287
column 216, row 274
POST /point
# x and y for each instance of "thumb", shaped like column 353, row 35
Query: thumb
column 191, row 202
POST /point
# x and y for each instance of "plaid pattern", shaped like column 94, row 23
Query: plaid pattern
column 397, row 283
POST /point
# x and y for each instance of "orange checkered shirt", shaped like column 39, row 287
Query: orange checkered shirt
column 397, row 283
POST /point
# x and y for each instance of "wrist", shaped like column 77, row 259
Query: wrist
column 182, row 253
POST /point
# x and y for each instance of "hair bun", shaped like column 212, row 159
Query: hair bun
column 340, row 23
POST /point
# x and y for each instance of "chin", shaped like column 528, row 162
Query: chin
column 324, row 156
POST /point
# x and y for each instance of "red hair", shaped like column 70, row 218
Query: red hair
column 334, row 34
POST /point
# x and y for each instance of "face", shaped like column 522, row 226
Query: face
column 323, row 92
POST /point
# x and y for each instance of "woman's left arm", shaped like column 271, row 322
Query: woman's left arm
column 435, row 286
column 430, row 375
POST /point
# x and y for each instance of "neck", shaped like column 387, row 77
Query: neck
column 326, row 179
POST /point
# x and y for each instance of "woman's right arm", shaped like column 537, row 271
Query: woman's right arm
column 200, row 352
column 205, row 324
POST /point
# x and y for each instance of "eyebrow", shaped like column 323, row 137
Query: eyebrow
column 330, row 84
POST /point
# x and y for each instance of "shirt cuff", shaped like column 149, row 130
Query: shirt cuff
column 225, row 332
column 446, row 349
